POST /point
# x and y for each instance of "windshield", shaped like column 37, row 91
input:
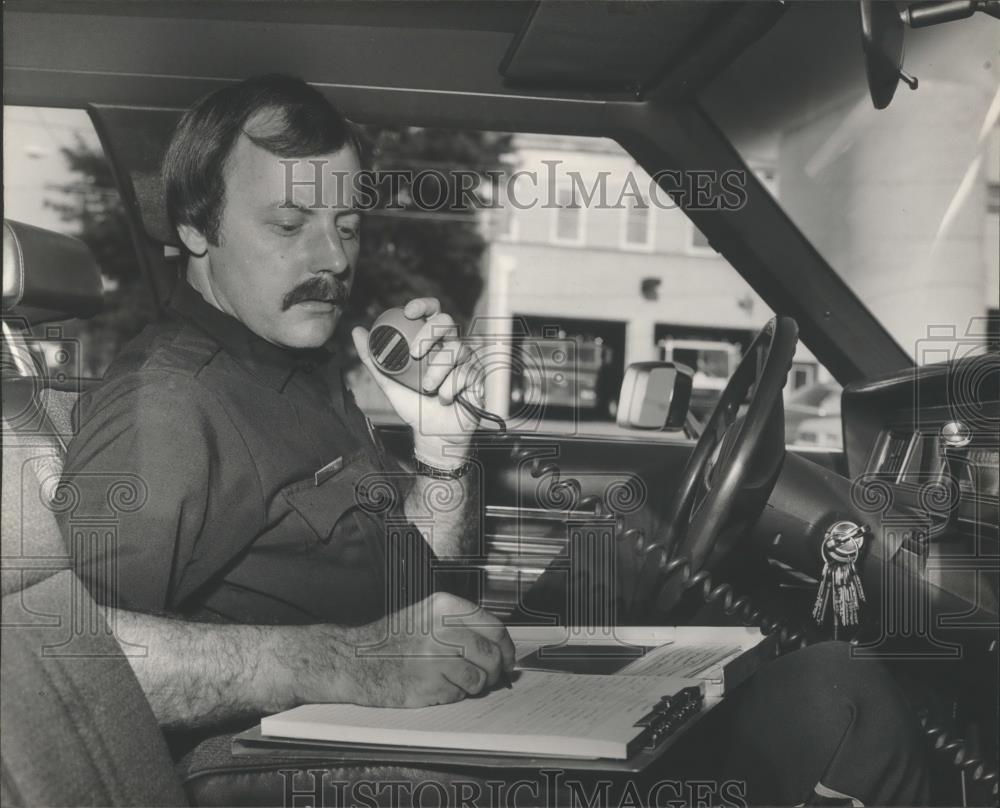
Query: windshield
column 902, row 202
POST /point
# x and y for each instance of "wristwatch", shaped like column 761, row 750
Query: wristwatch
column 442, row 474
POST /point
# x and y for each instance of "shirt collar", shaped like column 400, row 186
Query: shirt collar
column 270, row 363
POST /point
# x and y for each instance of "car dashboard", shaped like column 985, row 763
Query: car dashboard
column 930, row 437
column 923, row 448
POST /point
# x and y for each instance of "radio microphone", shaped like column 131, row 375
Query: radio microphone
column 389, row 342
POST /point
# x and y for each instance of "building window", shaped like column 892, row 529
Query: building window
column 637, row 225
column 803, row 374
column 697, row 242
column 567, row 227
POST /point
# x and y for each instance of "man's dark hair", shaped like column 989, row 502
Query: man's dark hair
column 290, row 119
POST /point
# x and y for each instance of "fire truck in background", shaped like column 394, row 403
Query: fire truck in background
column 711, row 361
column 565, row 373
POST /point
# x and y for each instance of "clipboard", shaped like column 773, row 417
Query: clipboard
column 258, row 749
column 754, row 650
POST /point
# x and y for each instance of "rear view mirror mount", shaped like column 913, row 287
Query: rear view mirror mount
column 655, row 395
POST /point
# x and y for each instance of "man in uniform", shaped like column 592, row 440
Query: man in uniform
column 232, row 417
column 253, row 573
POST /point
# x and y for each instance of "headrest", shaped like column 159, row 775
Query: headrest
column 48, row 276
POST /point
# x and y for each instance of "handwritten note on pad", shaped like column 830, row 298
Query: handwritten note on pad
column 543, row 713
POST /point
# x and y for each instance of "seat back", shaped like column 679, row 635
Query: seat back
column 47, row 277
column 77, row 729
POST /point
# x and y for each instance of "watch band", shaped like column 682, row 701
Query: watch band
column 441, row 474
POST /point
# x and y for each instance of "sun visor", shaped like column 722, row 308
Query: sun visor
column 631, row 46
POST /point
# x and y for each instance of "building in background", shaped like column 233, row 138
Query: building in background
column 589, row 252
column 902, row 202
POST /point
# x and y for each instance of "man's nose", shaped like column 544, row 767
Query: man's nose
column 331, row 256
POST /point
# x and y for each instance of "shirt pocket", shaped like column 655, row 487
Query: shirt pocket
column 333, row 501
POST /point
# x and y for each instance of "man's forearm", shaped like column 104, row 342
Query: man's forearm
column 202, row 674
column 199, row 674
column 448, row 513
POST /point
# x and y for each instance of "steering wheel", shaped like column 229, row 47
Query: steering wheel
column 732, row 470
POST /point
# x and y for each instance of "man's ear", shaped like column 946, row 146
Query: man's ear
column 194, row 241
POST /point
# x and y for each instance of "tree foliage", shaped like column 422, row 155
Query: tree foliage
column 90, row 203
column 415, row 253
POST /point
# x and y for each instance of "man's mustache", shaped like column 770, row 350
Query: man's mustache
column 331, row 290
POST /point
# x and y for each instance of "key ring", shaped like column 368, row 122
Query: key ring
column 834, row 549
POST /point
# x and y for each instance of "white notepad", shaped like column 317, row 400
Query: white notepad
column 561, row 714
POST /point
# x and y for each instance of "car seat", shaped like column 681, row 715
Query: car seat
column 77, row 729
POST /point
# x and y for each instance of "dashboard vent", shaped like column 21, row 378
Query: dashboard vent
column 895, row 452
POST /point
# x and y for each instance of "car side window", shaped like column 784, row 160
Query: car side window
column 565, row 264
column 57, row 177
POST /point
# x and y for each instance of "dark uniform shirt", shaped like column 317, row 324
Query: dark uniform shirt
column 218, row 476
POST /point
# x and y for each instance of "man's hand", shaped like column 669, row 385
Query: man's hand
column 437, row 651
column 441, row 428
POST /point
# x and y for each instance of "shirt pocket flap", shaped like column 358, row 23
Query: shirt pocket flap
column 326, row 497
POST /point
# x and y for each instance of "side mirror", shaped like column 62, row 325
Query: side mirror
column 655, row 395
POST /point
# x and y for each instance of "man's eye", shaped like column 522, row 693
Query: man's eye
column 349, row 231
column 287, row 228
